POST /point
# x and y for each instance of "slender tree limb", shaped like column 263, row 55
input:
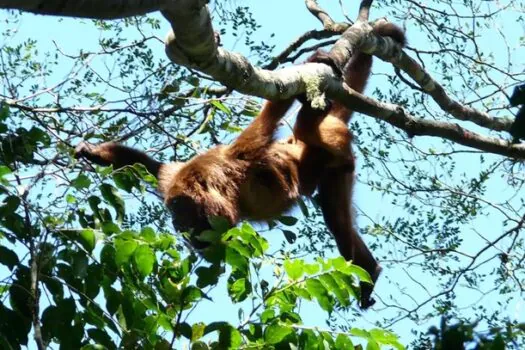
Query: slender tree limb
column 97, row 9
column 324, row 17
column 313, row 34
column 34, row 267
column 319, row 13
column 309, row 49
column 364, row 10
column 382, row 47
column 414, row 126
column 35, row 294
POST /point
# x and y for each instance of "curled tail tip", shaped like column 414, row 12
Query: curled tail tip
column 384, row 28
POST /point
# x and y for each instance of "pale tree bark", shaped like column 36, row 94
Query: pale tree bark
column 97, row 9
column 192, row 43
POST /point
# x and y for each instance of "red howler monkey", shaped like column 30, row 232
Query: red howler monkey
column 257, row 178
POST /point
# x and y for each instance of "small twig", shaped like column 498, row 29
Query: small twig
column 313, row 34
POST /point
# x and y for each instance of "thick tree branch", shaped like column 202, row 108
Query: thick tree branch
column 236, row 72
column 97, row 9
column 192, row 44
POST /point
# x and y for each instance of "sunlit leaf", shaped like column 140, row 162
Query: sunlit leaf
column 144, row 258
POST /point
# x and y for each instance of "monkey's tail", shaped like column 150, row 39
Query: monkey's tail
column 357, row 71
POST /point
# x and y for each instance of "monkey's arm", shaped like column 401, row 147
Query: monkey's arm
column 335, row 198
column 110, row 153
column 259, row 134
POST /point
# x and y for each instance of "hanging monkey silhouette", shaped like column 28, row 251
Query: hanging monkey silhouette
column 258, row 178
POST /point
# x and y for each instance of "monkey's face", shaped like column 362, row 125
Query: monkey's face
column 201, row 188
column 187, row 215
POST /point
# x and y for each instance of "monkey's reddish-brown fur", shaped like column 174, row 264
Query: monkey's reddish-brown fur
column 257, row 178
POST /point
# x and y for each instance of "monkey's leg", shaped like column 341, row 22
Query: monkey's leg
column 335, row 191
column 327, row 132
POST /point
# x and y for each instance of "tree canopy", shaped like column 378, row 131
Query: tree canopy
column 88, row 256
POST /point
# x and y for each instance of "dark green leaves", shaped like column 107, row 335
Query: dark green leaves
column 110, row 194
column 8, row 257
column 81, row 181
column 275, row 333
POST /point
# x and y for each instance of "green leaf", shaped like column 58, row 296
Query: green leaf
column 199, row 345
column 80, row 264
column 4, row 111
column 385, row 337
column 208, row 276
column 111, row 195
column 112, row 300
column 101, row 337
column 220, row 106
column 107, row 258
column 4, row 170
column 8, row 258
column 125, row 179
column 93, row 347
column 241, row 248
column 294, row 268
column 219, row 224
column 9, row 205
column 312, row 269
column 332, row 286
column 340, row 264
column 372, row 345
column 361, row 333
column 267, row 315
column 275, row 333
column 361, row 273
column 229, row 338
column 240, row 289
column 145, row 175
column 110, row 228
column 82, row 181
column 191, row 294
column 342, row 342
column 86, row 238
column 197, row 331
column 303, row 207
column 70, row 199
column 287, row 220
column 144, row 258
column 124, row 250
column 236, row 260
column 316, row 289
column 148, row 234
column 290, row 236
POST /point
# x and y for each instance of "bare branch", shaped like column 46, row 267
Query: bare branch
column 364, row 11
column 324, row 17
column 414, row 126
column 382, row 48
column 98, row 9
column 313, row 34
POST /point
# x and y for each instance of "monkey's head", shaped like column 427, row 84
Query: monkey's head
column 189, row 216
column 199, row 189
